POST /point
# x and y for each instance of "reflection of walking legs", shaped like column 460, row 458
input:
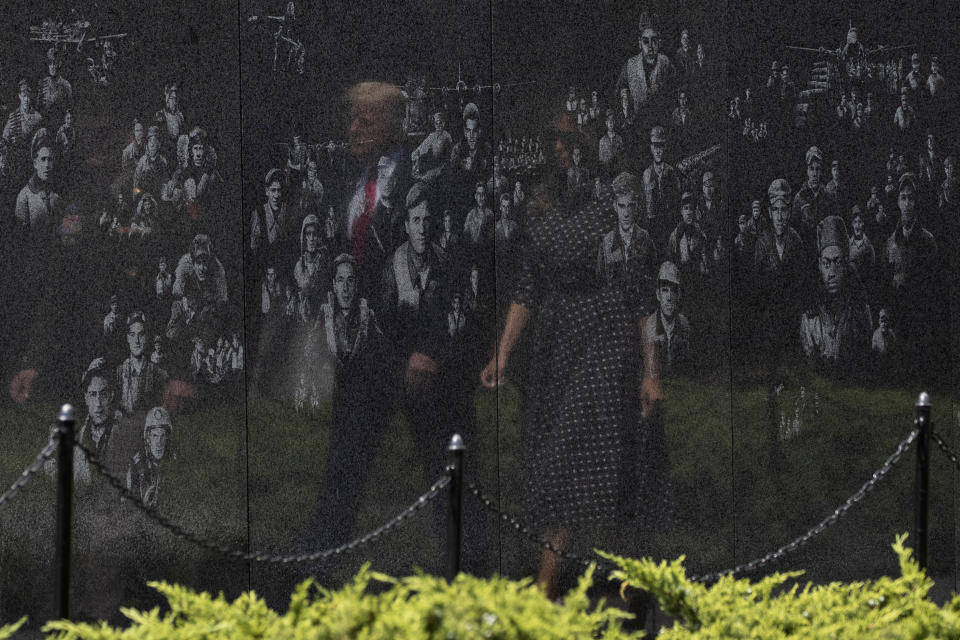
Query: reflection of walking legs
column 435, row 412
column 549, row 576
column 356, row 430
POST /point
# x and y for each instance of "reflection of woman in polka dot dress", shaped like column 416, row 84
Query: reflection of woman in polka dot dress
column 584, row 403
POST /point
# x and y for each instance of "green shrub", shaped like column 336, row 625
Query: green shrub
column 8, row 630
column 420, row 606
column 427, row 607
column 770, row 608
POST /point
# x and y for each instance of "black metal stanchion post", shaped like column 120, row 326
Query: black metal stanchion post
column 65, row 429
column 455, row 510
column 922, row 481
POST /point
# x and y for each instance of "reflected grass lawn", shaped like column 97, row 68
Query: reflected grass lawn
column 786, row 462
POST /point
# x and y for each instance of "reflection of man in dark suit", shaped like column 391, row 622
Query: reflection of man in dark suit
column 373, row 216
column 361, row 401
column 438, row 374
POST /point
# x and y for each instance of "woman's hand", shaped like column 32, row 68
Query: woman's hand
column 492, row 375
column 651, row 395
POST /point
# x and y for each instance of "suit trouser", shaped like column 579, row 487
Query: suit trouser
column 434, row 412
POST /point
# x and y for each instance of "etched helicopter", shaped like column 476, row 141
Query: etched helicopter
column 855, row 64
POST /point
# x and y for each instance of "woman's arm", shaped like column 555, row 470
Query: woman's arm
column 492, row 375
column 651, row 391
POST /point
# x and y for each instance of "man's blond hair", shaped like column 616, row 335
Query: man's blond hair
column 387, row 98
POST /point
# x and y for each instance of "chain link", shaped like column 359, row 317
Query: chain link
column 946, row 449
column 747, row 567
column 830, row 520
column 603, row 565
column 45, row 454
column 239, row 554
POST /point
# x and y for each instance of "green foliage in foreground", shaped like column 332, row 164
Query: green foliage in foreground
column 420, row 606
column 769, row 608
column 424, row 606
column 9, row 630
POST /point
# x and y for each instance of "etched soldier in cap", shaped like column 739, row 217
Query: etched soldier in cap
column 507, row 230
column 112, row 321
column 132, row 153
column 862, row 254
column 936, row 83
column 914, row 80
column 152, row 169
column 269, row 221
column 22, row 121
column 472, row 153
column 669, row 328
column 812, row 202
column 313, row 268
column 688, row 245
column 39, row 206
column 884, row 341
column 102, row 431
column 627, row 257
column 779, row 244
column 478, row 223
column 709, row 213
column 201, row 180
column 578, row 176
column 610, row 147
column 905, row 117
column 930, row 162
column 54, row 92
column 781, row 263
column 199, row 267
column 649, row 73
column 432, row 157
column 683, row 58
column 837, row 189
column 948, row 189
column 911, row 252
column 350, row 325
column 143, row 475
column 839, row 329
column 661, row 189
column 170, row 117
column 139, row 381
column 910, row 266
column 413, row 276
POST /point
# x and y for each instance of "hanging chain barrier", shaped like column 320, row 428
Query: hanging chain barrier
column 822, row 526
column 239, row 554
column 35, row 467
column 605, row 566
column 954, row 460
column 435, row 490
column 747, row 567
